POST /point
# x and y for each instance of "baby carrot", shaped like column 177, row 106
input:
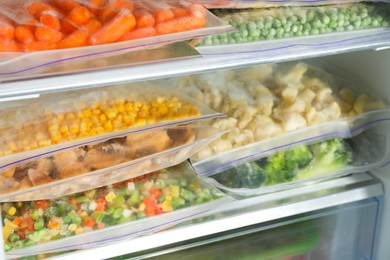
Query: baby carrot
column 47, row 34
column 50, row 19
column 66, row 5
column 39, row 46
column 76, row 39
column 115, row 28
column 91, row 26
column 79, row 15
column 139, row 33
column 95, row 5
column 67, row 27
column 107, row 14
column 36, row 8
column 23, row 34
column 180, row 24
column 179, row 12
column 7, row 45
column 7, row 30
column 143, row 18
column 162, row 15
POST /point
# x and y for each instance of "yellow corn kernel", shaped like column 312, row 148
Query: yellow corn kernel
column 93, row 132
column 95, row 106
column 129, row 107
column 83, row 126
column 74, row 129
column 163, row 111
column 128, row 120
column 102, row 119
column 96, row 112
column 54, row 127
column 108, row 126
column 110, row 196
column 169, row 197
column 61, row 117
column 19, row 204
column 80, row 115
column 64, row 129
column 70, row 116
column 44, row 143
column 55, row 136
column 142, row 114
column 40, row 137
column 117, row 124
column 119, row 101
column 100, row 130
column 140, row 122
column 34, row 145
column 72, row 227
column 12, row 211
column 167, row 206
column 87, row 112
column 12, row 147
column 121, row 108
column 141, row 206
column 110, row 113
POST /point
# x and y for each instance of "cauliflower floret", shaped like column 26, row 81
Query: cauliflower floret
column 264, row 127
column 324, row 95
column 365, row 103
column 290, row 92
column 264, row 99
column 213, row 99
column 314, row 117
column 244, row 115
column 308, row 96
column 225, row 123
column 195, row 93
column 204, row 153
column 298, row 106
column 292, row 121
column 294, row 76
column 221, row 145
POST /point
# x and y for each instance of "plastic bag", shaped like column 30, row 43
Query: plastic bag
column 57, row 30
column 239, row 4
column 55, row 122
column 301, row 163
column 286, row 22
column 76, row 169
column 132, row 208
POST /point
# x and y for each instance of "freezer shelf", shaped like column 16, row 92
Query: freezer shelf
column 245, row 213
column 234, row 57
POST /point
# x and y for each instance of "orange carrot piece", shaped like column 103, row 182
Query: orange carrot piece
column 7, row 45
column 122, row 4
column 96, row 5
column 197, row 10
column 39, row 46
column 48, row 34
column 179, row 12
column 79, row 15
column 115, row 28
column 91, row 26
column 143, row 18
column 50, row 19
column 66, row 5
column 76, row 39
column 23, row 34
column 67, row 27
column 107, row 14
column 7, row 30
column 37, row 7
column 162, row 15
column 180, row 24
column 139, row 33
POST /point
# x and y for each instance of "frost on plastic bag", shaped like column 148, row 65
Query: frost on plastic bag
column 282, row 100
column 289, row 167
column 59, row 121
column 241, row 4
column 285, row 22
column 119, row 211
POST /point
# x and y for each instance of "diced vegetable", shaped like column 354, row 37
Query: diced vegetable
column 103, row 207
column 285, row 22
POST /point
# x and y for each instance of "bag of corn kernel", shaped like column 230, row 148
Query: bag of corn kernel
column 54, row 121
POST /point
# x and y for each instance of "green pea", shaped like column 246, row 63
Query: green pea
column 353, row 17
column 279, row 31
column 322, row 30
column 294, row 28
column 306, row 33
column 315, row 31
column 333, row 24
column 277, row 23
column 325, row 19
column 316, row 23
column 264, row 32
column 272, row 32
column 374, row 23
column 298, row 33
column 363, row 14
column 260, row 24
column 283, row 21
column 242, row 27
column 66, row 220
column 244, row 33
column 357, row 23
column 224, row 41
column 293, row 19
column 349, row 27
column 269, row 37
column 347, row 17
column 343, row 10
column 340, row 29
column 232, row 41
column 307, row 27
column 287, row 28
column 39, row 224
column 340, row 23
column 310, row 15
column 252, row 26
column 268, row 24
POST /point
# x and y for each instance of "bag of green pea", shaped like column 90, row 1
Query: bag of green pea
column 256, row 25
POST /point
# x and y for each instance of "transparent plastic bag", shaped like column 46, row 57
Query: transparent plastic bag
column 301, row 163
column 260, row 25
column 76, row 169
column 56, row 122
column 39, row 33
column 121, row 211
column 240, row 4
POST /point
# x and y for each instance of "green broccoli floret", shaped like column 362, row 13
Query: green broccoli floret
column 329, row 155
column 300, row 154
column 247, row 175
column 280, row 169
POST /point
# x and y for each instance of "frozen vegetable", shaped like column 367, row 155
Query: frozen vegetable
column 297, row 163
column 56, row 120
column 57, row 24
column 86, row 159
column 284, row 22
column 29, row 223
column 269, row 100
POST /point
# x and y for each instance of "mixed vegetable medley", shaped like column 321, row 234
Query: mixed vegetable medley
column 294, row 164
column 36, row 222
column 284, row 22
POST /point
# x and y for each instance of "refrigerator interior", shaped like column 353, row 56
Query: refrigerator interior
column 342, row 232
column 347, row 231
